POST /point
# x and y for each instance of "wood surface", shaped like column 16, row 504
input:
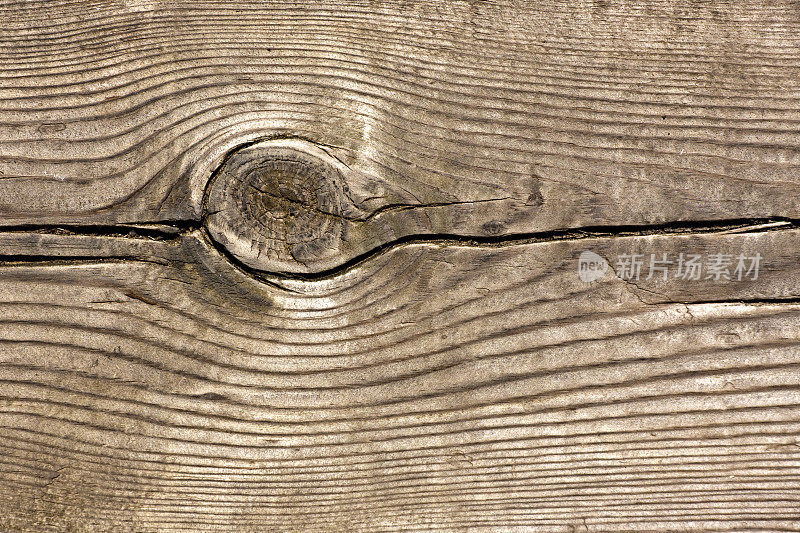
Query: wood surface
column 314, row 266
column 606, row 112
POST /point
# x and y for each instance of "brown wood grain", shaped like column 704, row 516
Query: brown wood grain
column 314, row 266
column 574, row 113
column 156, row 387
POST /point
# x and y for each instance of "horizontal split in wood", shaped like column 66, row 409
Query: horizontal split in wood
column 192, row 244
column 40, row 243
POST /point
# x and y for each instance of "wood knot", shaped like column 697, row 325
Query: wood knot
column 287, row 206
column 278, row 206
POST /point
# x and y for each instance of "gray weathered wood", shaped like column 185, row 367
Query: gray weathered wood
column 582, row 113
column 384, row 328
column 432, row 386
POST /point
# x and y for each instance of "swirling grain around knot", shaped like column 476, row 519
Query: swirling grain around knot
column 277, row 206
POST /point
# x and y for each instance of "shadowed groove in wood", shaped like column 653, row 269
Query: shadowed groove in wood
column 29, row 243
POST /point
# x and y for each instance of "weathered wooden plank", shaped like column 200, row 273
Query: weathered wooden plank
column 573, row 113
column 293, row 266
column 436, row 386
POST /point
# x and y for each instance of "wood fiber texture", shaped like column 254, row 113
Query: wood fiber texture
column 604, row 112
column 314, row 266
